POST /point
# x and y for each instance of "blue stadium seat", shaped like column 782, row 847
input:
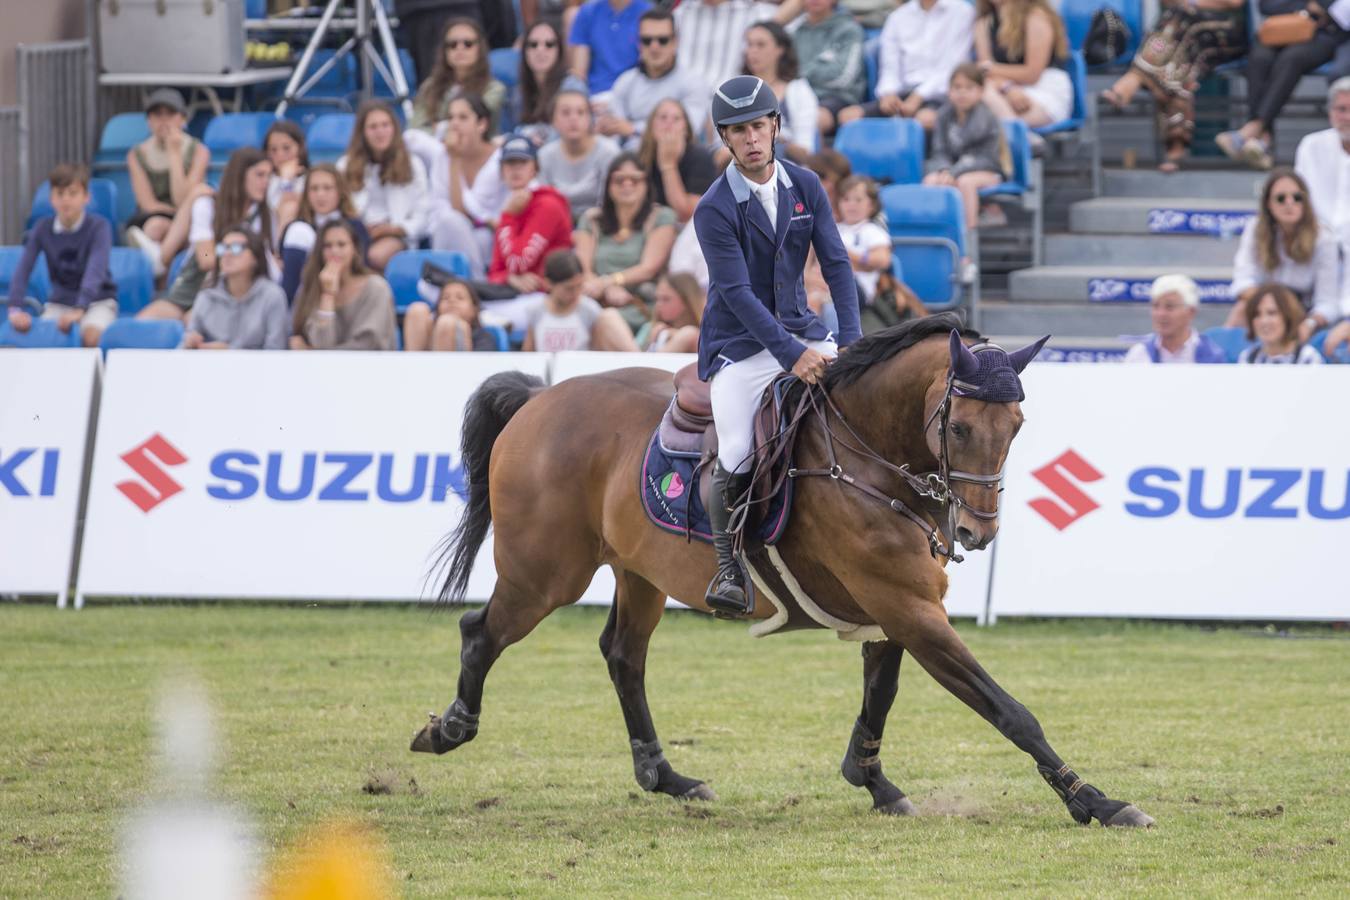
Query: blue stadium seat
column 1232, row 340
column 505, row 65
column 102, row 200
column 39, row 283
column 884, row 149
column 927, row 226
column 122, row 132
column 42, row 333
column 135, row 279
column 872, row 65
column 126, row 194
column 385, row 91
column 1077, row 15
column 1077, row 69
column 1023, row 183
column 405, row 268
column 177, row 265
column 1319, row 341
column 327, row 136
column 255, row 9
column 499, row 335
column 142, row 334
column 228, row 132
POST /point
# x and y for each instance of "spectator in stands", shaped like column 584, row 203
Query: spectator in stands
column 166, row 169
column 1274, row 72
column 77, row 245
column 922, row 42
column 1284, row 244
column 625, row 244
column 466, row 185
column 1022, row 48
column 830, row 47
column 241, row 198
column 535, row 221
column 867, row 243
column 1174, row 301
column 1323, row 161
column 968, row 149
column 422, row 24
column 1190, row 39
column 461, row 68
column 870, row 14
column 389, row 185
column 325, row 199
column 770, row 55
column 604, row 41
column 284, row 145
column 452, row 325
column 577, row 161
column 682, row 169
column 567, row 320
column 240, row 308
column 831, row 167
column 1275, row 313
column 677, row 312
column 342, row 305
column 543, row 73
column 712, row 33
column 658, row 76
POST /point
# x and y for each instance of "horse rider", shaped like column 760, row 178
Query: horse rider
column 756, row 225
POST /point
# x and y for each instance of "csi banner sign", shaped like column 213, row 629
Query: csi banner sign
column 1178, row 491
column 295, row 475
column 46, row 400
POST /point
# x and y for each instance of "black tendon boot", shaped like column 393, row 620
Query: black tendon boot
column 727, row 592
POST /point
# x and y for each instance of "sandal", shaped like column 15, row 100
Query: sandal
column 1111, row 97
column 1231, row 143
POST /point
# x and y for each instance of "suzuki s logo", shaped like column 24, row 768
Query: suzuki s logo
column 148, row 461
column 1070, row 503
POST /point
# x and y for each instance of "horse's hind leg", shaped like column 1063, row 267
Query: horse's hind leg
column 862, row 762
column 636, row 612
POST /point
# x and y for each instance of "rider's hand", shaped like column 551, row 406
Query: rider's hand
column 810, row 365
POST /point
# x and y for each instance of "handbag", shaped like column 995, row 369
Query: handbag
column 1107, row 37
column 1286, row 29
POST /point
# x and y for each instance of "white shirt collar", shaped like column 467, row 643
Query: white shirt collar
column 742, row 187
column 1185, row 354
column 58, row 228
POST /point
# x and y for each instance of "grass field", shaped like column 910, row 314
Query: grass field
column 1235, row 740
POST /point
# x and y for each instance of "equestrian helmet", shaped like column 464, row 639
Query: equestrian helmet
column 741, row 99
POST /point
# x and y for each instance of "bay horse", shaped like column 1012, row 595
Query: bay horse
column 555, row 472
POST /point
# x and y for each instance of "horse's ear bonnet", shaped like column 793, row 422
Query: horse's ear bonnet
column 987, row 372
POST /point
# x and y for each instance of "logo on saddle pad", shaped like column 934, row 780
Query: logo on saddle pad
column 672, row 486
column 1070, row 503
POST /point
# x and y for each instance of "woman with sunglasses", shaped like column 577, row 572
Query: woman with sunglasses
column 1284, row 244
column 461, row 67
column 543, row 75
column 240, row 308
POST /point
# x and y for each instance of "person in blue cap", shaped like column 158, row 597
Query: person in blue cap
column 756, row 225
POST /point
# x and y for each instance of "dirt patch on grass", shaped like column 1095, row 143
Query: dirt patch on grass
column 36, row 844
column 487, row 803
column 952, row 803
column 1273, row 812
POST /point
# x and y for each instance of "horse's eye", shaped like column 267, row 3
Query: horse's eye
column 960, row 431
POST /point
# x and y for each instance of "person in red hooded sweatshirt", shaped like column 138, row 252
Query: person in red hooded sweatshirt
column 535, row 221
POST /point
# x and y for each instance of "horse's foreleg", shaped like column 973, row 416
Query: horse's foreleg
column 862, row 762
column 636, row 612
column 925, row 632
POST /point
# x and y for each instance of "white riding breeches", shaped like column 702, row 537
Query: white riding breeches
column 736, row 390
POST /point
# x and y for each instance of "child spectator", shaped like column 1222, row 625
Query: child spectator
column 452, row 325
column 829, row 44
column 165, row 169
column 535, row 221
column 682, row 168
column 770, row 55
column 968, row 151
column 831, row 167
column 77, row 245
column 625, row 244
column 1275, row 313
column 388, row 184
column 921, row 43
column 284, row 145
column 1174, row 301
column 466, row 185
column 1283, row 243
column 461, row 68
column 677, row 314
column 543, row 73
column 241, row 198
column 577, row 161
column 566, row 320
column 325, row 199
column 867, row 243
column 658, row 76
column 241, row 308
column 342, row 305
column 604, row 40
column 1022, row 48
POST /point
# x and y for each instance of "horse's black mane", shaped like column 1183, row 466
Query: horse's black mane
column 876, row 348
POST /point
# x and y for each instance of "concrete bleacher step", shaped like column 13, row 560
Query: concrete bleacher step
column 1201, row 185
column 1073, row 284
column 1138, row 250
column 1135, row 215
column 1085, row 320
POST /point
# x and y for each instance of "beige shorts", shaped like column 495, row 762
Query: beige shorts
column 100, row 313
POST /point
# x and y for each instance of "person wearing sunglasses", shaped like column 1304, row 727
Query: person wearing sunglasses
column 461, row 68
column 240, row 308
column 543, row 74
column 604, row 40
column 1283, row 243
column 658, row 76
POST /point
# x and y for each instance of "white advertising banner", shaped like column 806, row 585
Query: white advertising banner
column 46, row 401
column 1178, row 492
column 280, row 475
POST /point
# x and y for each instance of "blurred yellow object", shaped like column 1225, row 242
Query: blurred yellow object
column 332, row 862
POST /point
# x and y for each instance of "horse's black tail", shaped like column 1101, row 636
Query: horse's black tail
column 489, row 409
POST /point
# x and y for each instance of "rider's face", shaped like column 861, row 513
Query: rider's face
column 751, row 144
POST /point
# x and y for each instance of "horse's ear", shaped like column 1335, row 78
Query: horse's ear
column 1020, row 358
column 964, row 363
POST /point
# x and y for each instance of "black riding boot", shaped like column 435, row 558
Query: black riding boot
column 727, row 592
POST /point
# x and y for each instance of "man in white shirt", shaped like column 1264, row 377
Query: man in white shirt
column 712, row 33
column 658, row 75
column 1174, row 300
column 921, row 43
column 1323, row 159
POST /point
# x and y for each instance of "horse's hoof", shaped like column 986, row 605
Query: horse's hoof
column 699, row 791
column 429, row 739
column 1129, row 817
column 901, row 807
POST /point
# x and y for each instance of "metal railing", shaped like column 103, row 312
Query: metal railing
column 12, row 199
column 59, row 102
